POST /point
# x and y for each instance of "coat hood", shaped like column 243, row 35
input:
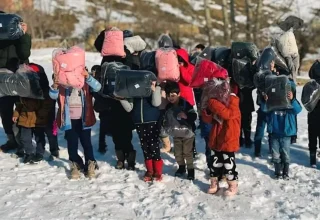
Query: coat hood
column 184, row 55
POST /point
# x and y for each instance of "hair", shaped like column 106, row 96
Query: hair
column 200, row 46
column 172, row 87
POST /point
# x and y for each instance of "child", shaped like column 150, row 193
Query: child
column 163, row 135
column 281, row 125
column 75, row 117
column 183, row 147
column 146, row 114
column 314, row 133
column 224, row 142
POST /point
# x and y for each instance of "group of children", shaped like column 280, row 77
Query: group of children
column 119, row 117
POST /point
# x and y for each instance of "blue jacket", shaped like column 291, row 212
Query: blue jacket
column 205, row 128
column 54, row 94
column 283, row 123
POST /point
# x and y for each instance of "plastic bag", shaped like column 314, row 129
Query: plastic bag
column 208, row 53
column 265, row 59
column 216, row 89
column 24, row 83
column 134, row 83
column 222, row 56
column 242, row 73
column 165, row 41
column 175, row 126
column 259, row 79
column 314, row 72
column 277, row 88
column 108, row 77
column 148, row 61
column 10, row 28
column 240, row 50
column 135, row 44
column 291, row 22
column 204, row 71
column 310, row 95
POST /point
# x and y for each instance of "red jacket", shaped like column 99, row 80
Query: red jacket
column 186, row 72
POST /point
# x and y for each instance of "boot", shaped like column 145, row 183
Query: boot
column 20, row 153
column 157, row 168
column 277, row 168
column 181, row 171
column 75, row 171
column 29, row 159
column 121, row 158
column 131, row 160
column 38, row 158
column 55, row 153
column 285, row 173
column 190, row 174
column 148, row 175
column 247, row 137
column 214, row 187
column 166, row 145
column 233, row 188
column 91, row 169
column 257, row 149
column 313, row 159
column 10, row 145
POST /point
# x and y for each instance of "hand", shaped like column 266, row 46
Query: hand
column 85, row 74
column 182, row 115
column 24, row 27
column 14, row 119
column 153, row 86
column 265, row 97
column 290, row 95
column 55, row 81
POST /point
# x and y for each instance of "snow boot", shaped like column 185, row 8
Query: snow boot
column 121, row 158
column 91, row 169
column 214, row 187
column 55, row 153
column 149, row 174
column 257, row 149
column 10, row 145
column 181, row 171
column 313, row 159
column 166, row 145
column 277, row 168
column 191, row 174
column 29, row 159
column 157, row 168
column 74, row 171
column 233, row 188
column 20, row 153
column 285, row 172
column 37, row 158
column 131, row 159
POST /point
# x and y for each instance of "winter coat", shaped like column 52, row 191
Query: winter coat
column 63, row 115
column 225, row 136
column 186, row 72
column 15, row 52
column 314, row 116
column 246, row 100
column 144, row 110
column 283, row 123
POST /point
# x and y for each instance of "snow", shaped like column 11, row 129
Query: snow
column 43, row 191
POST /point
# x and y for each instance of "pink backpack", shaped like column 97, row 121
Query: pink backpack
column 113, row 44
column 167, row 64
column 69, row 64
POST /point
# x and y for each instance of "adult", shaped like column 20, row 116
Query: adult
column 12, row 54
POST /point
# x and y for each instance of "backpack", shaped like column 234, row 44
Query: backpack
column 69, row 65
column 113, row 44
column 240, row 50
column 108, row 77
column 310, row 95
column 167, row 65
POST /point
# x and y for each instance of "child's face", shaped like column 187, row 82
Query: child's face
column 173, row 98
column 272, row 65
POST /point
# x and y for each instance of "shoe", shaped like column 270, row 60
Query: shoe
column 233, row 188
column 285, row 172
column 190, row 174
column 277, row 168
column 166, row 145
column 10, row 145
column 20, row 153
column 157, row 169
column 293, row 139
column 214, row 187
column 148, row 176
column 29, row 159
column 313, row 158
column 75, row 171
column 277, row 177
column 37, row 158
column 181, row 171
column 285, row 177
column 314, row 166
column 131, row 159
column 121, row 158
column 55, row 153
column 91, row 169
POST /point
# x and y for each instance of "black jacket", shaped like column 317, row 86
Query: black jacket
column 314, row 116
column 246, row 100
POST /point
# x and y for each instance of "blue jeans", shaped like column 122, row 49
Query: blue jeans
column 280, row 149
column 260, row 129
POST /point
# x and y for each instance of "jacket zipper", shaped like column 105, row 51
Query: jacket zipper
column 141, row 111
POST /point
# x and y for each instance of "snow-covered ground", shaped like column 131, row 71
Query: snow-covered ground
column 43, row 191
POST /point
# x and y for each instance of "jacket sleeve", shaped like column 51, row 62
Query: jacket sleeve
column 186, row 76
column 127, row 105
column 156, row 97
column 53, row 93
column 99, row 41
column 296, row 107
column 23, row 47
column 18, row 109
column 191, row 113
column 93, row 83
column 226, row 113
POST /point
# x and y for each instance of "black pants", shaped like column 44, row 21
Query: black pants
column 40, row 134
column 223, row 163
column 149, row 139
column 246, row 120
column 314, row 136
column 122, row 139
column 73, row 136
column 6, row 113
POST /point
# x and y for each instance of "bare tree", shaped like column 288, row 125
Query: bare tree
column 208, row 21
column 257, row 21
column 225, row 22
column 248, row 24
column 232, row 19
